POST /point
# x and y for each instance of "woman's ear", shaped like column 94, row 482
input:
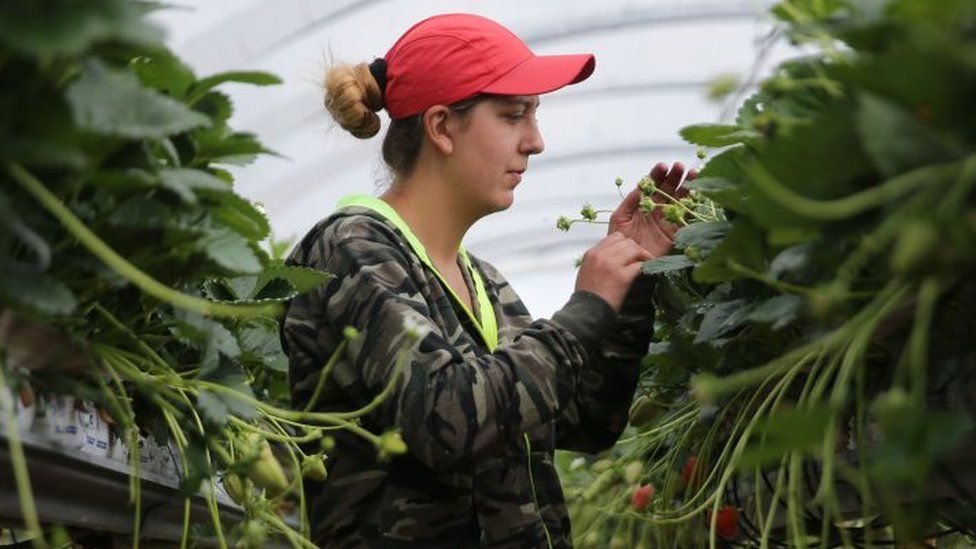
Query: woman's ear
column 437, row 124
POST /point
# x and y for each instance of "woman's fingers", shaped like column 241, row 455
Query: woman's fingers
column 682, row 191
column 628, row 251
column 659, row 171
column 627, row 207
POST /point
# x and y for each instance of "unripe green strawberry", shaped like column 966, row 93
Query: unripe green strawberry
column 253, row 535
column 266, row 471
column 350, row 333
column 236, row 487
column 601, row 465
column 916, row 248
column 563, row 223
column 327, row 443
column 632, row 472
column 591, row 540
column 313, row 468
column 391, row 444
column 619, row 541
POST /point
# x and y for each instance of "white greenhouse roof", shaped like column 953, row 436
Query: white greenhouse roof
column 655, row 59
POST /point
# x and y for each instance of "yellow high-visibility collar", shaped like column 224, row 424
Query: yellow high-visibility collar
column 487, row 325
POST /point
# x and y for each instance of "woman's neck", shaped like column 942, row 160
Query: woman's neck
column 433, row 214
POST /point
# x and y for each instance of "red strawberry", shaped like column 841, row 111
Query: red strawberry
column 642, row 496
column 726, row 522
column 690, row 474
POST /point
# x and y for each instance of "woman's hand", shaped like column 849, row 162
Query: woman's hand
column 650, row 230
column 610, row 267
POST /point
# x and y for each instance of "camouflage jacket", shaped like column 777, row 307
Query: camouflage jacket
column 481, row 427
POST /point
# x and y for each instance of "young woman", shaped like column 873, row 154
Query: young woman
column 484, row 394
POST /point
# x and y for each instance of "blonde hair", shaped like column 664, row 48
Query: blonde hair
column 352, row 97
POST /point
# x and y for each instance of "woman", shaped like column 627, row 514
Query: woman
column 485, row 393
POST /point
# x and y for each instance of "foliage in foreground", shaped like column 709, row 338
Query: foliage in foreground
column 813, row 376
column 132, row 276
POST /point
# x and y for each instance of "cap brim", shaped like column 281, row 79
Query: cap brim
column 543, row 73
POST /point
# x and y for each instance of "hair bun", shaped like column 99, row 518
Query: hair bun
column 352, row 97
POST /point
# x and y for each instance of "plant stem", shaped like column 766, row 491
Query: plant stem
column 122, row 266
column 18, row 462
column 324, row 374
column 843, row 208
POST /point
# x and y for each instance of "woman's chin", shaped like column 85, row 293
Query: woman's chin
column 506, row 200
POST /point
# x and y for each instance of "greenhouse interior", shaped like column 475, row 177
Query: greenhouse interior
column 431, row 273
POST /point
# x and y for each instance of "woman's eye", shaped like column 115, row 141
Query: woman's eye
column 515, row 116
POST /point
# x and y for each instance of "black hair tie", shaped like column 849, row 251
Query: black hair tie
column 378, row 69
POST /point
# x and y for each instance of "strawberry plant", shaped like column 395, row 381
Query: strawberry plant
column 133, row 277
column 813, row 359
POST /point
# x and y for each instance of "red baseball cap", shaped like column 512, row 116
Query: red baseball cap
column 447, row 58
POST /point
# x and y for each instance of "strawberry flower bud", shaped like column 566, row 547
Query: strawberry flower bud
column 647, row 204
column 646, row 186
column 588, row 212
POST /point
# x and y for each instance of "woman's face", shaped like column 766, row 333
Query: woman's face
column 492, row 148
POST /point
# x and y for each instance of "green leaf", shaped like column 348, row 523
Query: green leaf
column 790, row 260
column 704, row 235
column 276, row 289
column 163, row 71
column 256, row 78
column 24, row 235
column 239, row 214
column 218, row 406
column 742, row 247
column 108, row 102
column 666, row 263
column 721, row 319
column 141, row 211
column 231, row 251
column 131, row 179
column 203, row 329
column 303, row 279
column 709, row 184
column 261, row 343
column 32, row 152
column 896, row 140
column 37, row 292
column 780, row 311
column 717, row 135
column 218, row 107
column 239, row 149
column 184, row 181
column 49, row 28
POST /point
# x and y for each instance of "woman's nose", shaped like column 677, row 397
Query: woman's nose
column 533, row 142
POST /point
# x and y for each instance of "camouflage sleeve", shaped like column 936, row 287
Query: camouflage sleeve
column 607, row 382
column 452, row 408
